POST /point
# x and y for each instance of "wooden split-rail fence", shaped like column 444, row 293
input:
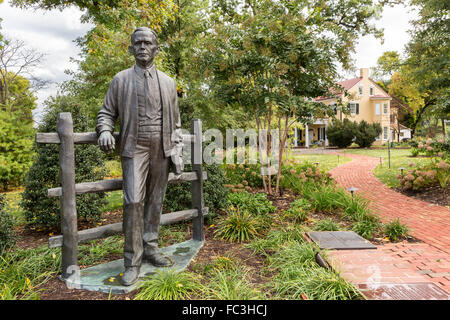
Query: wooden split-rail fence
column 70, row 237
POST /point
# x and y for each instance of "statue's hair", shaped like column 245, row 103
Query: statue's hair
column 143, row 29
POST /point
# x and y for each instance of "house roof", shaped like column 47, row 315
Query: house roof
column 347, row 84
column 350, row 83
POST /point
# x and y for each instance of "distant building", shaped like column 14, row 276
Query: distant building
column 366, row 101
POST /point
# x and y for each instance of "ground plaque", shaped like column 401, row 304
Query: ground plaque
column 339, row 240
column 404, row 291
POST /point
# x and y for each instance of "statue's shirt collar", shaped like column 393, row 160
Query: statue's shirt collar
column 140, row 71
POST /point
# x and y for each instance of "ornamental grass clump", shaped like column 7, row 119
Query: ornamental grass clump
column 274, row 239
column 395, row 230
column 167, row 284
column 238, row 226
column 298, row 210
column 231, row 285
column 326, row 225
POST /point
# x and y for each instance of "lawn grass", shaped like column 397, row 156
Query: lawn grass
column 326, row 161
column 399, row 158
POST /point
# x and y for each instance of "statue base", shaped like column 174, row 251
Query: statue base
column 106, row 277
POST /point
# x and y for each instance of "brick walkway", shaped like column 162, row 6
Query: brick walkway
column 398, row 262
column 427, row 222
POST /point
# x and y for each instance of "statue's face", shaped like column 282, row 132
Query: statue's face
column 144, row 47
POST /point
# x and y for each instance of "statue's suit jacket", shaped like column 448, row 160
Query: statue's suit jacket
column 121, row 101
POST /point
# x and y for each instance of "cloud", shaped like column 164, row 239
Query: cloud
column 49, row 32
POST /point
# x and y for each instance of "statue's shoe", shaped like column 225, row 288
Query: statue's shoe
column 130, row 276
column 157, row 259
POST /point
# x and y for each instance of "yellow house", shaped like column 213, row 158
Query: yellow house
column 366, row 101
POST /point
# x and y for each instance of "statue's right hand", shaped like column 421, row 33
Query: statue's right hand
column 106, row 142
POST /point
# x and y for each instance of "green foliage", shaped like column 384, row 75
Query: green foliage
column 298, row 211
column 254, row 203
column 22, row 271
column 247, row 175
column 298, row 274
column 366, row 228
column 231, row 285
column 167, row 284
column 7, row 234
column 237, row 226
column 395, row 230
column 435, row 172
column 366, row 133
column 16, row 153
column 39, row 209
column 326, row 225
column 178, row 196
column 341, row 133
column 274, row 239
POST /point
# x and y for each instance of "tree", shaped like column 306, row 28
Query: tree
column 423, row 80
column 39, row 209
column 270, row 58
column 366, row 133
column 17, row 101
column 16, row 154
column 16, row 62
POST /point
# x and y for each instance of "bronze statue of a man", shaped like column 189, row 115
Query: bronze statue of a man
column 145, row 101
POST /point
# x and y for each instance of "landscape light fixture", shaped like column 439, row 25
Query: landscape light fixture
column 401, row 169
column 316, row 164
column 352, row 190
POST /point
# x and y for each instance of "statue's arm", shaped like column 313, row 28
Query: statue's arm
column 106, row 119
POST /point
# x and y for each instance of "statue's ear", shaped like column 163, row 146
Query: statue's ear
column 131, row 50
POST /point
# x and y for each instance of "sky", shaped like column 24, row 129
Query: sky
column 53, row 33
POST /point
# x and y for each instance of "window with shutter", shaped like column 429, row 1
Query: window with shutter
column 357, row 108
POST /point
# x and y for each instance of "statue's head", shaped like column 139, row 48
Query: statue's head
column 144, row 46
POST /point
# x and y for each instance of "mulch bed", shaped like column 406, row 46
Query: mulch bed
column 433, row 194
column 55, row 289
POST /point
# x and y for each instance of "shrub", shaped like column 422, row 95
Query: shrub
column 256, row 204
column 366, row 133
column 178, row 196
column 341, row 133
column 7, row 234
column 438, row 171
column 167, row 284
column 237, row 226
column 395, row 230
column 39, row 209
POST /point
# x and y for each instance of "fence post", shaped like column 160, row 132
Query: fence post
column 197, row 185
column 68, row 203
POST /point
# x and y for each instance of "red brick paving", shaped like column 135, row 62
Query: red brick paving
column 427, row 222
column 395, row 262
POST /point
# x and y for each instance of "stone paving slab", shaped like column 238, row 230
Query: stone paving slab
column 339, row 240
column 97, row 278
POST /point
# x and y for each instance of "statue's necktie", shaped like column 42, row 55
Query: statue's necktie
column 148, row 103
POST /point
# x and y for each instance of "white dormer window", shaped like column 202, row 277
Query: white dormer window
column 371, row 90
column 360, row 90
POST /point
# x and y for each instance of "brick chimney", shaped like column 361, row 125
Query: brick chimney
column 364, row 72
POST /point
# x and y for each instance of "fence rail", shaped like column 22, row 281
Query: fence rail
column 70, row 237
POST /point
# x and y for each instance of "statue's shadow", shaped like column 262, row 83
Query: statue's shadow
column 106, row 277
